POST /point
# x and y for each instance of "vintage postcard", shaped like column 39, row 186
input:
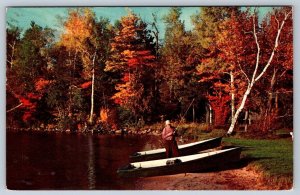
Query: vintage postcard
column 149, row 98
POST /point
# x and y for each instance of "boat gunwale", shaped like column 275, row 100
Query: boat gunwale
column 184, row 157
column 180, row 147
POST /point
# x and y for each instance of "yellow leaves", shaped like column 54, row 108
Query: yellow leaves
column 80, row 37
column 127, row 53
column 125, row 92
column 78, row 27
column 109, row 117
column 109, row 66
column 129, row 27
column 129, row 20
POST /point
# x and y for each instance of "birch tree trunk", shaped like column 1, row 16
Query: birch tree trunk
column 247, row 116
column 93, row 89
column 256, row 77
column 238, row 111
column 232, row 94
column 207, row 114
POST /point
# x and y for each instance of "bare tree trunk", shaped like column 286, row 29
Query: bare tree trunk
column 11, row 61
column 247, row 116
column 255, row 78
column 232, row 94
column 238, row 111
column 208, row 114
column 93, row 89
column 269, row 109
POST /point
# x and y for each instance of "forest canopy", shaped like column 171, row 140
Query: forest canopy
column 231, row 65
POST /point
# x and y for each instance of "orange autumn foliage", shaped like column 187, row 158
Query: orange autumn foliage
column 41, row 84
column 220, row 106
column 86, row 84
column 131, row 57
column 103, row 115
column 109, row 117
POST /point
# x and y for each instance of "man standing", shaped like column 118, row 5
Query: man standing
column 168, row 136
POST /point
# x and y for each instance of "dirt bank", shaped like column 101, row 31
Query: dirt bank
column 234, row 179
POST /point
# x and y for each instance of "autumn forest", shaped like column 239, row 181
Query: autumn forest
column 233, row 67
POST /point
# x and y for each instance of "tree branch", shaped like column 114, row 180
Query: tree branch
column 244, row 73
column 278, row 23
column 282, row 73
column 275, row 46
column 14, row 108
column 258, row 51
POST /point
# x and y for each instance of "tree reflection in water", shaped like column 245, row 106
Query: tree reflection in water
column 71, row 161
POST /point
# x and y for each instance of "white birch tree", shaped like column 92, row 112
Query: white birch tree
column 256, row 75
column 80, row 38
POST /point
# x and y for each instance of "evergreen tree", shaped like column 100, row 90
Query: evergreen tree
column 180, row 90
column 30, row 68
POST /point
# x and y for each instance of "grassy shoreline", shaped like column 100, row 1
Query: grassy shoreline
column 273, row 159
column 267, row 154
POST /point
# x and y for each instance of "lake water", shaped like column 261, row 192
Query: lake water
column 71, row 161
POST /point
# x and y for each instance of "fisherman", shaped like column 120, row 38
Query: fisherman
column 168, row 136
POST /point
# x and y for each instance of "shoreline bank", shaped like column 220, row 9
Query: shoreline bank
column 235, row 179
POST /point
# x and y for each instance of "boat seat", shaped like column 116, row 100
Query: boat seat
column 174, row 161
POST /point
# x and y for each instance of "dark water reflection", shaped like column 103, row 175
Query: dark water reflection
column 71, row 161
